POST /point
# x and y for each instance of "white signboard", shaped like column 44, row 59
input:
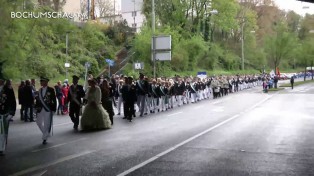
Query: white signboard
column 163, row 56
column 138, row 66
column 67, row 65
column 162, row 42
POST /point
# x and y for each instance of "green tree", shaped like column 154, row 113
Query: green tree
column 280, row 46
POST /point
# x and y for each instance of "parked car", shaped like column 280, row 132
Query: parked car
column 283, row 76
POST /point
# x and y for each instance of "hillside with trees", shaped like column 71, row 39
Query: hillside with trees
column 201, row 40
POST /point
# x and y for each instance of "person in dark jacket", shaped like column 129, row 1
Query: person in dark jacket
column 7, row 111
column 292, row 81
column 46, row 106
column 106, row 99
column 129, row 98
column 75, row 95
column 28, row 101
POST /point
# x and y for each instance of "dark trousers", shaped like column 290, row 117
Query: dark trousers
column 22, row 112
column 107, row 105
column 226, row 91
column 75, row 113
column 30, row 107
column 129, row 109
column 60, row 106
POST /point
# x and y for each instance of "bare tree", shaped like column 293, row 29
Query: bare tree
column 105, row 7
column 54, row 4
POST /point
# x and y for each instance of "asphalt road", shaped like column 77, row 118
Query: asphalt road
column 247, row 133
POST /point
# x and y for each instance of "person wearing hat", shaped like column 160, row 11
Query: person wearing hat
column 7, row 111
column 46, row 105
column 129, row 98
column 75, row 95
column 142, row 93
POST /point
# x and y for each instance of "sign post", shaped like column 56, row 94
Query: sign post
column 66, row 65
column 161, row 49
column 110, row 64
column 87, row 66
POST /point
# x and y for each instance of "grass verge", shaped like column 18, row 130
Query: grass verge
column 297, row 83
column 278, row 89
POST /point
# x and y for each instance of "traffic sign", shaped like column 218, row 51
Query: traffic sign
column 87, row 64
column 138, row 66
column 109, row 61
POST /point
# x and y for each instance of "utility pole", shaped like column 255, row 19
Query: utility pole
column 134, row 14
column 114, row 7
column 66, row 51
column 153, row 31
column 242, row 44
column 109, row 71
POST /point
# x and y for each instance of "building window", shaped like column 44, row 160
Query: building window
column 133, row 13
column 134, row 25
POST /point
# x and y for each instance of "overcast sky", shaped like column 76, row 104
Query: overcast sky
column 296, row 6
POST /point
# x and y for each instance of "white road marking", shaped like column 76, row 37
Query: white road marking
column 186, row 141
column 40, row 173
column 218, row 109
column 35, row 168
column 175, row 114
column 63, row 124
column 58, row 145
column 217, row 102
column 198, row 107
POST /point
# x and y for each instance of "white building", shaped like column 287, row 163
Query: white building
column 111, row 19
column 131, row 11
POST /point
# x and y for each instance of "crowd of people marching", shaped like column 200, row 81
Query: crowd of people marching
column 96, row 101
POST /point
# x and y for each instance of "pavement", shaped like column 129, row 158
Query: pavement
column 246, row 133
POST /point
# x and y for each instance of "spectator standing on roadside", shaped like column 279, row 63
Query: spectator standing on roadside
column 275, row 81
column 292, row 81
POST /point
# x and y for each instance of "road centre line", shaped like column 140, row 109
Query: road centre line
column 58, row 145
column 175, row 114
column 186, row 141
column 35, row 168
column 40, row 173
